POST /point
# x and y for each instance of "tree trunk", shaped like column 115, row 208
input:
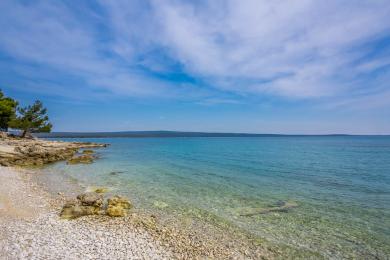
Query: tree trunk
column 25, row 133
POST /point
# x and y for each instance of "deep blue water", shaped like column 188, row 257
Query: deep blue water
column 340, row 184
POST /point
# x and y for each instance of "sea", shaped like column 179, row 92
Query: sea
column 309, row 196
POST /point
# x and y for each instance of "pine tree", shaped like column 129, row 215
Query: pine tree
column 32, row 119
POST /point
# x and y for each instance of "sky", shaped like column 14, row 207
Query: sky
column 292, row 67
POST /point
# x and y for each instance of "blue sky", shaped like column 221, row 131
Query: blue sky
column 229, row 66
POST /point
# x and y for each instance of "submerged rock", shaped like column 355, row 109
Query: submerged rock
column 86, row 159
column 88, row 151
column 98, row 189
column 160, row 204
column 116, row 172
column 279, row 206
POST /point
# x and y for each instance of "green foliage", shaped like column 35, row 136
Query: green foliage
column 32, row 119
column 7, row 111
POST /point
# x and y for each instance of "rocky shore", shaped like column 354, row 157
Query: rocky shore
column 36, row 152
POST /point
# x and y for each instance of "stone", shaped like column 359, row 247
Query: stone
column 88, row 151
column 119, row 201
column 116, row 211
column 86, row 204
column 101, row 190
column 118, row 206
column 86, row 159
column 91, row 199
column 75, row 211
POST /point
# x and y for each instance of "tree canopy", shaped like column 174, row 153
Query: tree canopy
column 7, row 111
column 31, row 119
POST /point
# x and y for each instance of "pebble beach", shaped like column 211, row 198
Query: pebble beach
column 31, row 228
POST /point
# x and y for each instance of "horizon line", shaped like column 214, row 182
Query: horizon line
column 171, row 133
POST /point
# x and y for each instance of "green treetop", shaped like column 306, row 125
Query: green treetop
column 32, row 119
column 7, row 111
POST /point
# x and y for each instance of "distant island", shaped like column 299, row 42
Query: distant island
column 135, row 134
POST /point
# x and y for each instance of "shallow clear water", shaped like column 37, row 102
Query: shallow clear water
column 340, row 184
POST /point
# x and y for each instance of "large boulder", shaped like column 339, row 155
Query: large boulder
column 71, row 210
column 86, row 204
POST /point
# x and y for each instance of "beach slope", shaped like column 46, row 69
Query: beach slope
column 31, row 229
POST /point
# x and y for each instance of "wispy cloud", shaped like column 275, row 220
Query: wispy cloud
column 295, row 49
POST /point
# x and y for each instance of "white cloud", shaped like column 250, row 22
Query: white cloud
column 259, row 40
column 299, row 49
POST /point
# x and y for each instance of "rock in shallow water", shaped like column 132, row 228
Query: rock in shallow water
column 279, row 206
column 160, row 204
column 86, row 159
column 97, row 189
column 88, row 151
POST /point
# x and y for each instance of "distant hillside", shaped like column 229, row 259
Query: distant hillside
column 136, row 134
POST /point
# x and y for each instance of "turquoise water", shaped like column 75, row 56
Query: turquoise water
column 340, row 184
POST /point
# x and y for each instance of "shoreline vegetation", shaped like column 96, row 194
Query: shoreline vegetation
column 33, row 228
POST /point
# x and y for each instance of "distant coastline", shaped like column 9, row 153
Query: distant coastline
column 144, row 134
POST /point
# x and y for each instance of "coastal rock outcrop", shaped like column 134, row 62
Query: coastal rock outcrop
column 36, row 152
